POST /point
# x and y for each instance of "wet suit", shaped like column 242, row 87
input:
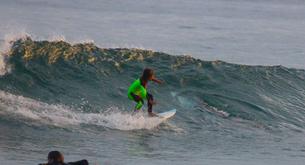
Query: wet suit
column 137, row 92
column 81, row 162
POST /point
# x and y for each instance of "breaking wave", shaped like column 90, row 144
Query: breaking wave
column 58, row 83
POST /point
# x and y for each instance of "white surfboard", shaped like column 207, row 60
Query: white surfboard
column 167, row 114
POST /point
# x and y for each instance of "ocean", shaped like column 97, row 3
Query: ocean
column 234, row 70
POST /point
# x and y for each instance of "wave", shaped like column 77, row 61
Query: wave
column 93, row 79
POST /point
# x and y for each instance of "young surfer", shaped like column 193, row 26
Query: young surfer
column 137, row 90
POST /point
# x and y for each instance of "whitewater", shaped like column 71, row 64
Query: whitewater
column 65, row 68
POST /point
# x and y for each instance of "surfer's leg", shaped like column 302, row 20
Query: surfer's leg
column 139, row 101
column 150, row 102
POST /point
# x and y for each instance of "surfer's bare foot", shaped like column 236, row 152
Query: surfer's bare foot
column 151, row 114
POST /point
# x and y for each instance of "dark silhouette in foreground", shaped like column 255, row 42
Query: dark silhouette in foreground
column 56, row 158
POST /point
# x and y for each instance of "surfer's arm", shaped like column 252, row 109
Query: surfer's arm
column 154, row 79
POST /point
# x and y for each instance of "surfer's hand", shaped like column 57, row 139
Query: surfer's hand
column 160, row 82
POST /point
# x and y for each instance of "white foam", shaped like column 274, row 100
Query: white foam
column 4, row 66
column 62, row 116
column 56, row 37
column 9, row 38
column 5, row 47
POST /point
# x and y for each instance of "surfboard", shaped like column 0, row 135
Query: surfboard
column 167, row 114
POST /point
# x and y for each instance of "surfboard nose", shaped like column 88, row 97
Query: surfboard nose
column 167, row 114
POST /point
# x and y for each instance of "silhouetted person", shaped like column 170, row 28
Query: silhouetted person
column 56, row 158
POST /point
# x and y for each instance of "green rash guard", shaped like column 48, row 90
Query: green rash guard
column 138, row 89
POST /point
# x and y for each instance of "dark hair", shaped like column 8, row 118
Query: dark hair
column 147, row 73
column 54, row 156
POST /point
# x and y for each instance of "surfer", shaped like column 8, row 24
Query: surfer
column 137, row 90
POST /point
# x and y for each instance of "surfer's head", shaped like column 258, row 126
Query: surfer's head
column 148, row 74
column 55, row 157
